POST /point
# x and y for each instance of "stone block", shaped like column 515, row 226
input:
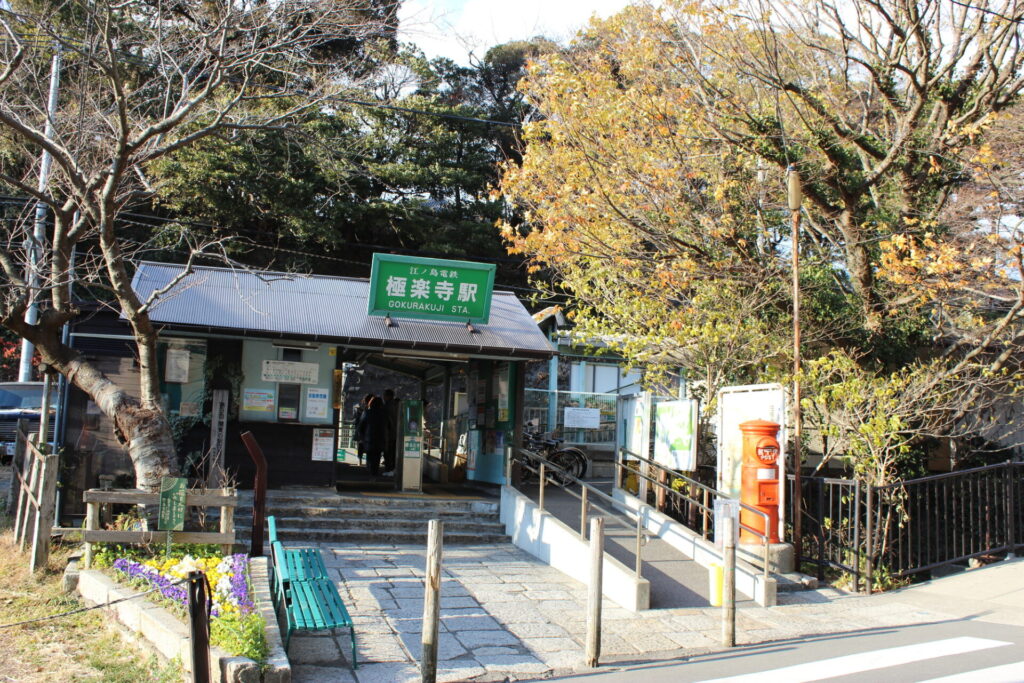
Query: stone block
column 474, row 639
column 69, row 581
column 239, row 670
column 514, row 664
column 93, row 586
column 168, row 635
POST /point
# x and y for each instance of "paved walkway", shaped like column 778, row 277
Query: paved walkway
column 507, row 616
column 676, row 580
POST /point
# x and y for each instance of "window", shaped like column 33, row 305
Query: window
column 289, row 395
column 603, row 378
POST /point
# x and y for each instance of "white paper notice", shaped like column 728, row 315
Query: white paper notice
column 582, row 418
column 176, row 369
column 317, row 404
column 323, row 445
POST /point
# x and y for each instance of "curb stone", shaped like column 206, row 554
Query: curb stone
column 170, row 637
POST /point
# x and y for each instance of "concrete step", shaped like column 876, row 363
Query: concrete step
column 360, row 503
column 390, row 536
column 353, row 512
column 794, row 581
column 304, row 523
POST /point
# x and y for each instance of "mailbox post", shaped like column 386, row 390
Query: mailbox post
column 760, row 479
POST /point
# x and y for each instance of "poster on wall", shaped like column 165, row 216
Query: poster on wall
column 675, row 432
column 317, row 403
column 472, row 450
column 323, row 445
column 640, row 434
column 176, row 366
column 502, row 389
column 289, row 372
column 258, row 400
column 582, row 418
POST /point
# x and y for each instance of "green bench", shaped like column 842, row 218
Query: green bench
column 303, row 564
column 309, row 600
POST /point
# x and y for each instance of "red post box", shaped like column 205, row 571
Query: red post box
column 760, row 479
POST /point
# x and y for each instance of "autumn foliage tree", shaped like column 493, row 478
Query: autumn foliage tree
column 652, row 194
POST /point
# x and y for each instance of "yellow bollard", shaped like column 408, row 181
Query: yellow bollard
column 715, row 584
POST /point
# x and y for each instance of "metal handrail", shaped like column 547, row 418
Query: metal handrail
column 586, row 488
column 705, row 508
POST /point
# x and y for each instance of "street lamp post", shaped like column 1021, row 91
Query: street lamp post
column 795, row 192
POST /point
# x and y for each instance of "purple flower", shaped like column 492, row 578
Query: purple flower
column 137, row 571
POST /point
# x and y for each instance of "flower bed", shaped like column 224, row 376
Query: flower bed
column 236, row 625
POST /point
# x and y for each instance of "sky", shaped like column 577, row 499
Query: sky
column 454, row 28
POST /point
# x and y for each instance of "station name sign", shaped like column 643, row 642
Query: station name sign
column 430, row 289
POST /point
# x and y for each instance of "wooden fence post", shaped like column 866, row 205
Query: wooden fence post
column 47, row 496
column 227, row 521
column 29, row 494
column 14, row 492
column 595, row 592
column 18, row 474
column 729, row 581
column 431, row 602
column 92, row 518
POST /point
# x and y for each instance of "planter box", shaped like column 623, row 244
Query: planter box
column 171, row 639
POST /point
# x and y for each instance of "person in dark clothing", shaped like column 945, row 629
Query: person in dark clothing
column 358, row 422
column 374, row 428
column 391, row 442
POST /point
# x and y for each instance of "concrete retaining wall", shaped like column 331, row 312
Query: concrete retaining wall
column 750, row 581
column 546, row 538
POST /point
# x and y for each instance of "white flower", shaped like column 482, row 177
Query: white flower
column 186, row 566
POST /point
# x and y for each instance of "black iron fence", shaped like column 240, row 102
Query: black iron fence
column 914, row 526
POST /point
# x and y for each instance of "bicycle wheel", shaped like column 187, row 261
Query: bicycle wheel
column 565, row 467
column 578, row 461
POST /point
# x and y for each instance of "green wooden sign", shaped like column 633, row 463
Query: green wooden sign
column 172, row 504
column 430, row 289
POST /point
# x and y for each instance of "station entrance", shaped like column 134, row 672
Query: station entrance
column 452, row 421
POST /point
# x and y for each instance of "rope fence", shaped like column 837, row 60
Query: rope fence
column 88, row 609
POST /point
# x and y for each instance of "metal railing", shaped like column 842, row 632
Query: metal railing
column 550, row 473
column 686, row 507
column 912, row 526
column 834, row 516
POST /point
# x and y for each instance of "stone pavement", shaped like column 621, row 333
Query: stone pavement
column 507, row 616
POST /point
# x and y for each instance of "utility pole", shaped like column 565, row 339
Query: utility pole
column 35, row 246
column 795, row 198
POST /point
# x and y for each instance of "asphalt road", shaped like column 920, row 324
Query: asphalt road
column 950, row 651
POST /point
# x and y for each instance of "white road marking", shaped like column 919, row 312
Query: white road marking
column 865, row 661
column 1007, row 673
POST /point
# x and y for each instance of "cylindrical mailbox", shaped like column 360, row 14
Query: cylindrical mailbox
column 760, row 479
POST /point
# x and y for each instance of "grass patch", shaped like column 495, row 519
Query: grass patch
column 82, row 647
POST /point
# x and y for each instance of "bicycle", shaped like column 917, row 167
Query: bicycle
column 570, row 460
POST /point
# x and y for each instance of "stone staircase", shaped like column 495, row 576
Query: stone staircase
column 320, row 516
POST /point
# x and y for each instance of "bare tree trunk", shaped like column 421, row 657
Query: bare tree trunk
column 143, row 429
